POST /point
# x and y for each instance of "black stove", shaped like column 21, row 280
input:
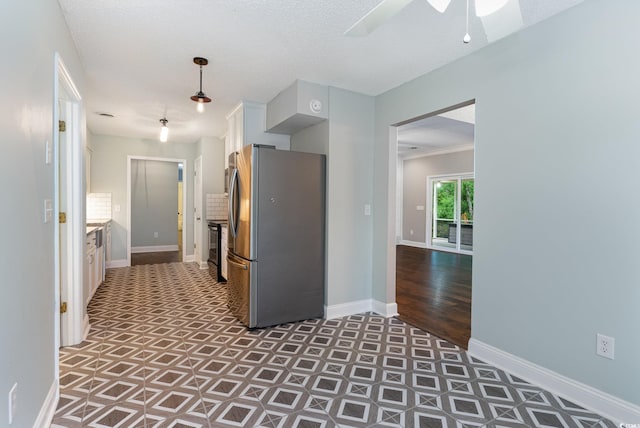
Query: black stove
column 215, row 246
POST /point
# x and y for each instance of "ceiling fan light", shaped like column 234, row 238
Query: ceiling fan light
column 487, row 7
column 439, row 5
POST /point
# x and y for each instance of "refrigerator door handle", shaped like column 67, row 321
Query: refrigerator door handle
column 236, row 264
column 232, row 202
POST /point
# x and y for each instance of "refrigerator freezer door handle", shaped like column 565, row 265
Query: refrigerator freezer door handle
column 232, row 202
column 236, row 264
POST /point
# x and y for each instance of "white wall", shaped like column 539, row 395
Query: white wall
column 154, row 200
column 346, row 138
column 555, row 251
column 415, row 174
column 212, row 151
column 30, row 33
column 109, row 174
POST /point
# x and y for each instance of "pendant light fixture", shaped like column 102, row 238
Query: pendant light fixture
column 164, row 131
column 200, row 96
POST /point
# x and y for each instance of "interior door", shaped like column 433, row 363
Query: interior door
column 197, row 197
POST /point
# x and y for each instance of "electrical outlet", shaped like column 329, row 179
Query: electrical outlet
column 155, row 234
column 13, row 401
column 605, row 346
column 411, row 232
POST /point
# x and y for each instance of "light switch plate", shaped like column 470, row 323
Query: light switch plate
column 48, row 153
column 367, row 209
column 48, row 210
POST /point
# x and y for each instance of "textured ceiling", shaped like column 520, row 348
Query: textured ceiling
column 138, row 54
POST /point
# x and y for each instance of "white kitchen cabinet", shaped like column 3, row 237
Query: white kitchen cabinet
column 94, row 265
column 90, row 266
column 223, row 251
column 246, row 125
column 107, row 242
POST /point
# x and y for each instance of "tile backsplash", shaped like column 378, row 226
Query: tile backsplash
column 98, row 206
column 217, row 204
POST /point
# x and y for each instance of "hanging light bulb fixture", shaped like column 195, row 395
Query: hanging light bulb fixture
column 200, row 96
column 164, row 131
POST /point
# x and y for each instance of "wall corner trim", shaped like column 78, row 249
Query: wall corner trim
column 48, row 409
column 614, row 408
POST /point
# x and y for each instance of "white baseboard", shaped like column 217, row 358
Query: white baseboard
column 117, row 263
column 204, row 265
column 189, row 259
column 360, row 306
column 154, row 249
column 346, row 309
column 385, row 309
column 48, row 409
column 413, row 243
column 604, row 404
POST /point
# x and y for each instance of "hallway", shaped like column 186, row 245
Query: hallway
column 164, row 351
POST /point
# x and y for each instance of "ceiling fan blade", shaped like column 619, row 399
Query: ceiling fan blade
column 376, row 17
column 503, row 21
column 439, row 5
column 487, row 7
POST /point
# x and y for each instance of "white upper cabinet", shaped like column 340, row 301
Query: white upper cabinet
column 246, row 124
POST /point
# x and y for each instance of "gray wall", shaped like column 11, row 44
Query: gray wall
column 346, row 138
column 109, row 174
column 154, row 203
column 556, row 142
column 415, row 173
column 30, row 33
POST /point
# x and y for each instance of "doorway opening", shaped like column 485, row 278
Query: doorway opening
column 435, row 219
column 155, row 228
column 70, row 322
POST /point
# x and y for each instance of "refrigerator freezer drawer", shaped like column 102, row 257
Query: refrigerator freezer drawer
column 239, row 277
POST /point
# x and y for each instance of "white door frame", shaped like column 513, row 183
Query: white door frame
column 184, row 200
column 198, row 217
column 392, row 197
column 69, row 328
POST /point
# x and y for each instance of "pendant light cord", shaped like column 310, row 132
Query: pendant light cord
column 467, row 37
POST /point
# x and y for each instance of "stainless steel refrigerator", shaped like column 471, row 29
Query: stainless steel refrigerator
column 276, row 254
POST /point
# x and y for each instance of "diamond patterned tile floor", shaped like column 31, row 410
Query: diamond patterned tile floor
column 164, row 351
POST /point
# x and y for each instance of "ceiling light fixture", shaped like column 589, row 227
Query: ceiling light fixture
column 200, row 96
column 164, row 131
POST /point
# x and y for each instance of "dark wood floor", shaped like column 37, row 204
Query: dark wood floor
column 433, row 292
column 155, row 258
